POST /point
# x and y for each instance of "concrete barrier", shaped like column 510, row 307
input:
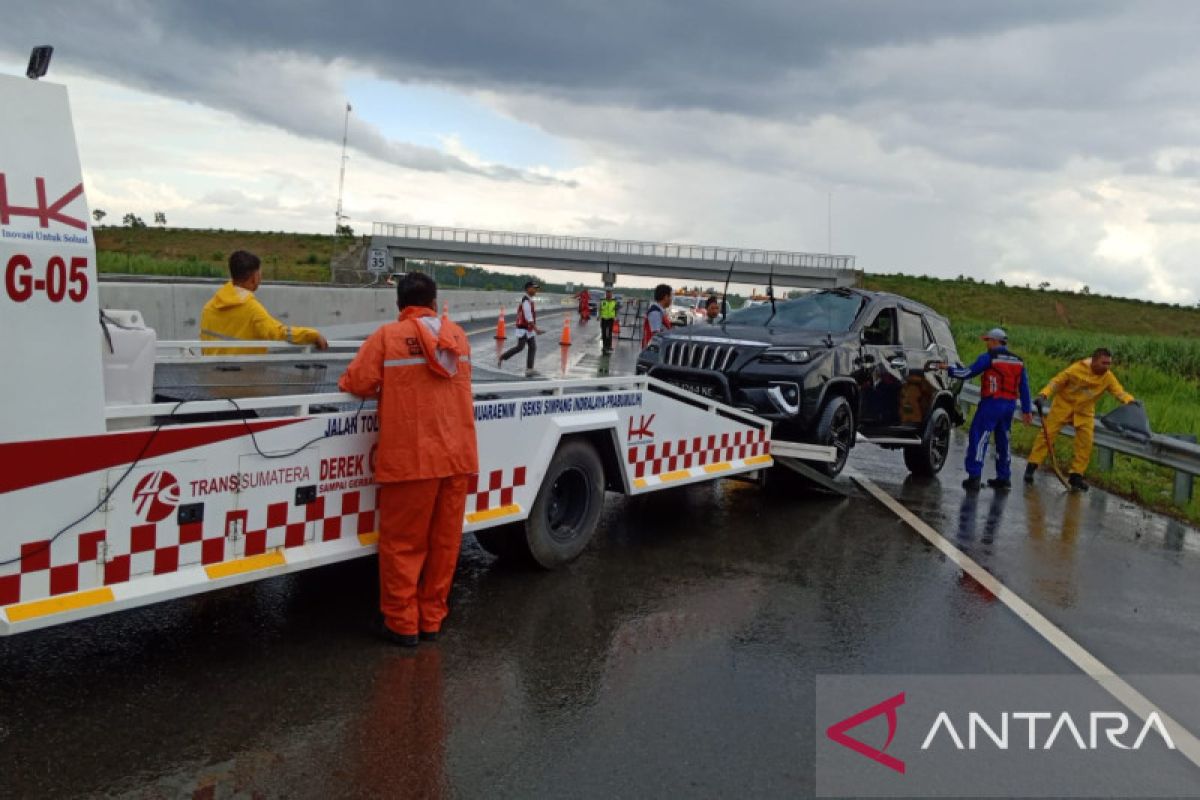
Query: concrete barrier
column 173, row 308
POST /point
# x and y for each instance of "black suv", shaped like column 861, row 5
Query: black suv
column 825, row 367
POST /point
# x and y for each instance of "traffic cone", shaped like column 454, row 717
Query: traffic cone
column 616, row 328
column 500, row 326
column 565, row 341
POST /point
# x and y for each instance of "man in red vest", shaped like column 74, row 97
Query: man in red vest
column 527, row 329
column 419, row 368
column 656, row 319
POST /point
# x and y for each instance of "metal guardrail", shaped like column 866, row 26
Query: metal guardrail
column 619, row 247
column 1176, row 454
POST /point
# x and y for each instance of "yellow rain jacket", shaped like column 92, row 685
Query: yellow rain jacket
column 1080, row 388
column 1076, row 390
column 233, row 314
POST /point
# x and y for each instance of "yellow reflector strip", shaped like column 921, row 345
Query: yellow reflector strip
column 57, row 605
column 677, row 475
column 759, row 460
column 493, row 513
column 724, row 465
column 640, row 483
column 248, row 564
column 367, row 539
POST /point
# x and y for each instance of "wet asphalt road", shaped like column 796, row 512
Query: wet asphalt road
column 676, row 656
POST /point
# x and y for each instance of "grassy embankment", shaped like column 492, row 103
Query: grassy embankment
column 1156, row 348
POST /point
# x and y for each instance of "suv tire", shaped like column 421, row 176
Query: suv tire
column 928, row 457
column 835, row 428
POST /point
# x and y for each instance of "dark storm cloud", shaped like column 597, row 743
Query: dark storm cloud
column 770, row 58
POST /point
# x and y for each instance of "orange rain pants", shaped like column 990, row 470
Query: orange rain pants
column 420, row 533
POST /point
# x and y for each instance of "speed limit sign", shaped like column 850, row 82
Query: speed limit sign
column 377, row 261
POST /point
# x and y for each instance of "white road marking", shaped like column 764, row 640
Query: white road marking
column 1125, row 694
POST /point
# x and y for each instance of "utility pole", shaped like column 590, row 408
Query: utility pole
column 338, row 217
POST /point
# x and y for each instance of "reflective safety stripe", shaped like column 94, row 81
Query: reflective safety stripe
column 222, row 336
column 57, row 605
column 289, row 334
column 403, row 362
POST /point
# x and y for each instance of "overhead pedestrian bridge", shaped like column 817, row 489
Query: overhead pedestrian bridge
column 394, row 243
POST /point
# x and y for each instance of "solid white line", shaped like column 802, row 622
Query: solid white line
column 1128, row 696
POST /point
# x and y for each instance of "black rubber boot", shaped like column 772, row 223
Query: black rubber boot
column 1000, row 484
column 399, row 639
column 971, row 484
column 1030, row 470
column 1077, row 482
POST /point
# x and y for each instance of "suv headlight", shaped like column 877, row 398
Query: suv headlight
column 785, row 355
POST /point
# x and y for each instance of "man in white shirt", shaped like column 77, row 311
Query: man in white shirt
column 527, row 329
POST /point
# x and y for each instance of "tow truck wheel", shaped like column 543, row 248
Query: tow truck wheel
column 564, row 515
column 836, row 429
column 928, row 457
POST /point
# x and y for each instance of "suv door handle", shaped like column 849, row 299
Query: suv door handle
column 898, row 363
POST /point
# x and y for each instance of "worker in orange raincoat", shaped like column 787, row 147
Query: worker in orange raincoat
column 420, row 369
column 234, row 314
column 1076, row 390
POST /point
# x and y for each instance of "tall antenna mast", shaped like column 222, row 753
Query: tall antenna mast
column 338, row 216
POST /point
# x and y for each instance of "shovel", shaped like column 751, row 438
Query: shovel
column 1050, row 448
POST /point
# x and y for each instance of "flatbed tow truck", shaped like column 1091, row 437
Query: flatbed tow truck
column 111, row 498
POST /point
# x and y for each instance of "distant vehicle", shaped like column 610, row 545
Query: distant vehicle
column 827, row 368
column 687, row 309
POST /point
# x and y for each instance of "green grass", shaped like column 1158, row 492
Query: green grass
column 1010, row 306
column 187, row 252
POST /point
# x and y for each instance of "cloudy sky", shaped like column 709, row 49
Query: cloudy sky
column 1028, row 141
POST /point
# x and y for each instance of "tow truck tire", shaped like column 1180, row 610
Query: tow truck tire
column 836, row 429
column 564, row 514
column 927, row 458
column 568, row 504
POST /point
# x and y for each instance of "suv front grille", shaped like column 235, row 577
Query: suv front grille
column 699, row 355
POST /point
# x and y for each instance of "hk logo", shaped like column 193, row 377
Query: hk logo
column 837, row 732
column 45, row 211
column 642, row 431
column 156, row 496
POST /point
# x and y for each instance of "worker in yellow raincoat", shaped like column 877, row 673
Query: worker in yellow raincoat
column 234, row 314
column 1076, row 390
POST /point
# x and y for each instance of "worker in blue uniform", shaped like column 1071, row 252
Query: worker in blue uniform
column 1003, row 380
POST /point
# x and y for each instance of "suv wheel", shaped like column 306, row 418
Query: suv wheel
column 836, row 429
column 928, row 457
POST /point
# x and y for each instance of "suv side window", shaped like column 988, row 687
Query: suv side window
column 882, row 329
column 912, row 332
column 941, row 332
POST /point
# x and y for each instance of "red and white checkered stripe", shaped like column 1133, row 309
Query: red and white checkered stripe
column 163, row 548
column 493, row 490
column 697, row 451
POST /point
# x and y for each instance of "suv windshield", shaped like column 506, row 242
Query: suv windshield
column 820, row 311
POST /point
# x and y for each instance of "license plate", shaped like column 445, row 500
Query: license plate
column 702, row 389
